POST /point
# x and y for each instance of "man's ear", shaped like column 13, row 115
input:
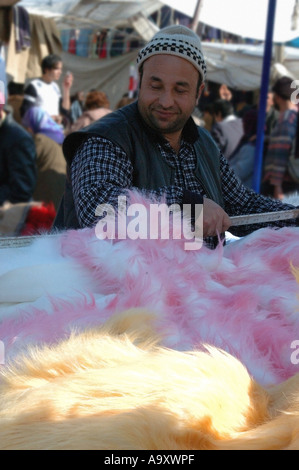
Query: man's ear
column 140, row 75
column 200, row 91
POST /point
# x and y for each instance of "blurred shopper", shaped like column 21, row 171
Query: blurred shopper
column 242, row 159
column 51, row 170
column 271, row 113
column 51, row 166
column 277, row 182
column 45, row 92
column 15, row 99
column 124, row 101
column 37, row 121
column 227, row 129
column 207, row 116
column 77, row 105
column 17, row 161
column 96, row 106
column 242, row 102
column 225, row 93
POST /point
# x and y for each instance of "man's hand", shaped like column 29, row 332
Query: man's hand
column 66, row 89
column 215, row 219
column 278, row 192
column 57, row 119
column 68, row 80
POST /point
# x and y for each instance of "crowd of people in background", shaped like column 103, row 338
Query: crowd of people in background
column 232, row 119
column 36, row 119
column 33, row 124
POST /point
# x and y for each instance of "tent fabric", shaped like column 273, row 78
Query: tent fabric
column 45, row 39
column 100, row 13
column 245, row 19
column 240, row 66
column 108, row 75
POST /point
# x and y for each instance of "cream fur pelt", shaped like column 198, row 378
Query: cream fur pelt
column 115, row 387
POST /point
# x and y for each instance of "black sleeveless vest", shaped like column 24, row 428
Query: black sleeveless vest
column 126, row 129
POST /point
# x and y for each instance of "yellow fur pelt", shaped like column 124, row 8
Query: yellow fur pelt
column 116, row 388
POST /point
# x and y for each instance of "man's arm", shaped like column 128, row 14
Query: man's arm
column 66, row 91
column 239, row 200
column 101, row 171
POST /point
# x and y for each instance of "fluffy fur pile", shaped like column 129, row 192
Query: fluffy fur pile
column 116, row 388
column 78, row 375
column 241, row 298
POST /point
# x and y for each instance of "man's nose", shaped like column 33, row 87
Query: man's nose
column 166, row 99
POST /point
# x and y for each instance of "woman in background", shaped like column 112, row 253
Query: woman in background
column 96, row 106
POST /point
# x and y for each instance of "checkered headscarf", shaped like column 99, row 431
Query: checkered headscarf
column 176, row 40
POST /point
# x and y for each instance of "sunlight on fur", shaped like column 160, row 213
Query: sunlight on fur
column 114, row 385
column 115, row 388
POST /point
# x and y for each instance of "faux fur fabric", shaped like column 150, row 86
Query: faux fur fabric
column 242, row 298
column 116, row 388
column 141, row 344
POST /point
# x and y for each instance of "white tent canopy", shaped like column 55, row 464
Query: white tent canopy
column 98, row 13
column 240, row 66
column 241, row 17
column 245, row 18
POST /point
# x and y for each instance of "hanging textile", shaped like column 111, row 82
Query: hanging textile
column 22, row 28
column 45, row 39
column 72, row 43
column 102, row 45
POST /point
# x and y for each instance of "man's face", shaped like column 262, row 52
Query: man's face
column 168, row 93
column 53, row 75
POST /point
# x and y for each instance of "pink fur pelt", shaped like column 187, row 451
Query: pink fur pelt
column 241, row 298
